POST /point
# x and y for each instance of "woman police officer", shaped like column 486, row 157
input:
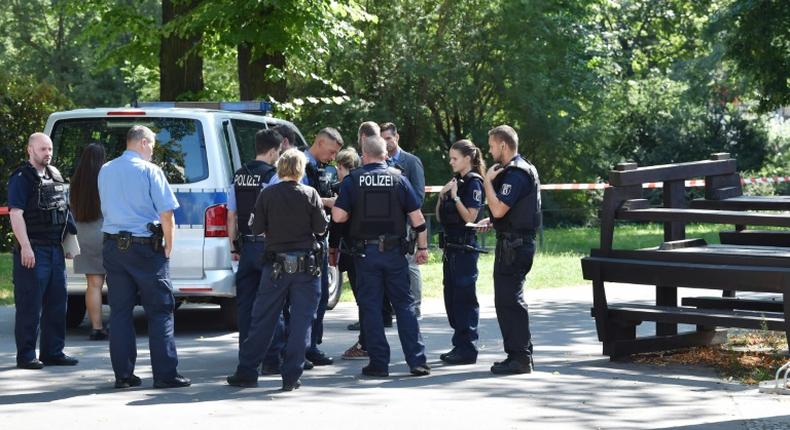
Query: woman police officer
column 461, row 201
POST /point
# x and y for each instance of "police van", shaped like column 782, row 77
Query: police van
column 198, row 146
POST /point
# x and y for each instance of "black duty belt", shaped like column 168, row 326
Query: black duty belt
column 512, row 235
column 44, row 242
column 384, row 244
column 251, row 238
column 133, row 239
column 293, row 262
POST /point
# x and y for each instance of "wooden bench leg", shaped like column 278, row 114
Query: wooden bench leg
column 666, row 296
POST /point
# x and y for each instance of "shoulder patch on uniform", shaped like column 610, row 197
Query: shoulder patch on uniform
column 506, row 189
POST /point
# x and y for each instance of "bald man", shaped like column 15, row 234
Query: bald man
column 39, row 218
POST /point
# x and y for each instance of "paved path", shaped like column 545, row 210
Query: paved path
column 573, row 386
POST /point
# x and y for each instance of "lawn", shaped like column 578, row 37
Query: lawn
column 556, row 264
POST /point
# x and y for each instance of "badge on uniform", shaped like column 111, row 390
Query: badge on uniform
column 477, row 195
column 506, row 189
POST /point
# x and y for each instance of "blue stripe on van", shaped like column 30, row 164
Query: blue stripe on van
column 193, row 206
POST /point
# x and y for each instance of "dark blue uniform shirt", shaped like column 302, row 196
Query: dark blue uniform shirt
column 347, row 195
column 516, row 184
column 472, row 198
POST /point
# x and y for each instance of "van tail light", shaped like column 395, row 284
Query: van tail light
column 216, row 223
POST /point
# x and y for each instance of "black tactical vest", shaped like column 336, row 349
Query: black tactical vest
column 247, row 184
column 320, row 178
column 525, row 215
column 378, row 210
column 47, row 208
column 448, row 212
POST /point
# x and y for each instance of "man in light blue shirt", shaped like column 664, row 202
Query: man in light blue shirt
column 134, row 195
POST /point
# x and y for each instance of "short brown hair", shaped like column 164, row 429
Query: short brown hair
column 369, row 128
column 505, row 133
column 332, row 134
column 388, row 126
column 348, row 158
column 291, row 164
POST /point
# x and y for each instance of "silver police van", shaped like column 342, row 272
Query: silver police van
column 198, row 149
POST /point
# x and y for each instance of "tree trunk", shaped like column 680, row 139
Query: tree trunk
column 180, row 63
column 253, row 84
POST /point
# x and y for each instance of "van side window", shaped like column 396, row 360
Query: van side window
column 180, row 144
column 245, row 137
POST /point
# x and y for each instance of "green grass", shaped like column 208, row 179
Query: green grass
column 557, row 261
column 556, row 264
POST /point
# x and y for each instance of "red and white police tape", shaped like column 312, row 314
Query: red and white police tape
column 601, row 186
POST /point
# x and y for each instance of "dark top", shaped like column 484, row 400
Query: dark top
column 21, row 190
column 290, row 214
column 471, row 195
column 515, row 185
column 347, row 196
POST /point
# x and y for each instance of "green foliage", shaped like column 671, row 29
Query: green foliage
column 24, row 107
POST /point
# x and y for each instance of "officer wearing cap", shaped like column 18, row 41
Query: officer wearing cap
column 376, row 199
column 460, row 202
column 247, row 248
column 512, row 190
column 135, row 195
column 291, row 215
column 39, row 219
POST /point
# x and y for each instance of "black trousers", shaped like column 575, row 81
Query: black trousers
column 511, row 309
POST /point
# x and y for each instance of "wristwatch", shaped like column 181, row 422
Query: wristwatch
column 456, row 199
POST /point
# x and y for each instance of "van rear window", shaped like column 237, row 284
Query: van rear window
column 180, row 144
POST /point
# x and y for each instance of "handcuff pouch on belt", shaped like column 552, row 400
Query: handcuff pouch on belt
column 123, row 240
column 294, row 262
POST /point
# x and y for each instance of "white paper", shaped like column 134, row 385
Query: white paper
column 71, row 246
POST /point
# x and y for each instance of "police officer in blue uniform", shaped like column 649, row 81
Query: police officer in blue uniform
column 247, row 248
column 39, row 219
column 376, row 199
column 291, row 215
column 460, row 202
column 512, row 190
column 320, row 175
column 135, row 195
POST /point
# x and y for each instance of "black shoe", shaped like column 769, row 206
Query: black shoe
column 237, row 381
column 290, row 386
column 270, row 369
column 512, row 366
column 33, row 364
column 320, row 359
column 353, row 327
column 132, row 381
column 63, row 360
column 177, row 382
column 369, row 371
column 445, row 354
column 308, row 365
column 456, row 358
column 100, row 334
column 421, row 370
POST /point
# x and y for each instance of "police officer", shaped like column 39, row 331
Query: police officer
column 460, row 202
column 290, row 214
column 512, row 190
column 39, row 219
column 320, row 175
column 135, row 194
column 248, row 248
column 377, row 199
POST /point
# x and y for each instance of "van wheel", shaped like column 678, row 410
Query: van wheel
column 335, row 286
column 230, row 313
column 75, row 310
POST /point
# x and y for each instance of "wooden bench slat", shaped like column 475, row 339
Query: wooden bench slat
column 755, row 237
column 744, row 203
column 734, row 303
column 671, row 172
column 738, row 255
column 705, row 216
column 706, row 317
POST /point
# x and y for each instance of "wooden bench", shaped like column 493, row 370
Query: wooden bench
column 747, row 260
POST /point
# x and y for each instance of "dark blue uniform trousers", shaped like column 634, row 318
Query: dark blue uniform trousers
column 248, row 279
column 40, row 301
column 140, row 270
column 511, row 309
column 377, row 273
column 318, row 324
column 460, row 298
column 304, row 292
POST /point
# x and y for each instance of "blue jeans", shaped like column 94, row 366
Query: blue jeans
column 40, row 302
